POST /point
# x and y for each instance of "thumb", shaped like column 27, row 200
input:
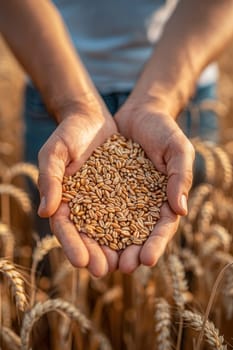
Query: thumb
column 180, row 175
column 51, row 171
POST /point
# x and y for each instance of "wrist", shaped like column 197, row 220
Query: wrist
column 166, row 97
column 135, row 111
column 85, row 104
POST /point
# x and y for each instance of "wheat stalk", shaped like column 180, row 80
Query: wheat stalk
column 5, row 306
column 62, row 272
column 210, row 302
column 211, row 333
column 8, row 239
column 163, row 324
column 17, row 282
column 10, row 338
column 69, row 309
column 180, row 288
column 3, row 168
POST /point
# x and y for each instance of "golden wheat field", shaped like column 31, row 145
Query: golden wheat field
column 185, row 302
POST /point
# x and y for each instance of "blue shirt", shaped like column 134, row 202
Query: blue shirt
column 114, row 38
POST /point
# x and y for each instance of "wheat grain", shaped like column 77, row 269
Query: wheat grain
column 17, row 282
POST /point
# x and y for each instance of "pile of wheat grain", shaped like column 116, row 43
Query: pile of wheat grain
column 115, row 198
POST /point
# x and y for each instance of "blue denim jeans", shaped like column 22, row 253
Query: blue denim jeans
column 39, row 125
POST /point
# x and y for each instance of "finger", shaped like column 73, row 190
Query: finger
column 179, row 158
column 66, row 233
column 112, row 258
column 52, row 159
column 98, row 265
column 129, row 259
column 164, row 230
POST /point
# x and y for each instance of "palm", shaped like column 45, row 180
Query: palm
column 172, row 154
column 63, row 154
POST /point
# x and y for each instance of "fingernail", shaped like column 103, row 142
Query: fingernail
column 42, row 204
column 183, row 202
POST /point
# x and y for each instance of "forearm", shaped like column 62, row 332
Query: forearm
column 194, row 36
column 38, row 38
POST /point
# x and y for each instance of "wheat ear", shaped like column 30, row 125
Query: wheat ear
column 163, row 324
column 21, row 168
column 69, row 309
column 10, row 338
column 197, row 197
column 19, row 195
column 210, row 163
column 225, row 162
column 179, row 281
column 206, row 215
column 211, row 333
column 219, row 237
column 191, row 261
column 42, row 248
column 17, row 282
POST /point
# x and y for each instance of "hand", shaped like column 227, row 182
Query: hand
column 64, row 153
column 171, row 153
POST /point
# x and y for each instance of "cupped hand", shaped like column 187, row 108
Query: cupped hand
column 172, row 154
column 71, row 144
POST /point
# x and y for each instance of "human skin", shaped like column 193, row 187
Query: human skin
column 148, row 116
